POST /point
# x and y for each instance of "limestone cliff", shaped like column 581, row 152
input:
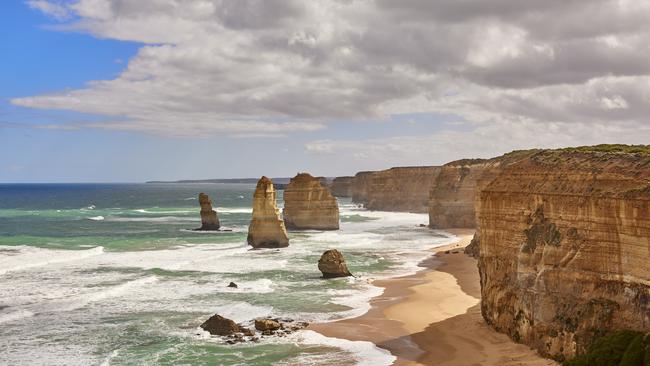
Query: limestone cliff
column 266, row 229
column 361, row 186
column 342, row 186
column 565, row 247
column 453, row 194
column 309, row 205
column 209, row 219
column 401, row 189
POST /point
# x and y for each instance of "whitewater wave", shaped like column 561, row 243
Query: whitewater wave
column 31, row 257
column 15, row 315
column 96, row 218
column 365, row 353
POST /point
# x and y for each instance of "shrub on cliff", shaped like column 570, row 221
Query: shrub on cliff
column 622, row 348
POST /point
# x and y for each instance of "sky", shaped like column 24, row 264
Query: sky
column 129, row 91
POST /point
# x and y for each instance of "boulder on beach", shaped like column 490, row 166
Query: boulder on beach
column 332, row 264
column 218, row 325
column 266, row 229
column 209, row 219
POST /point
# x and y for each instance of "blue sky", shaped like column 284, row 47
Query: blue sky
column 128, row 91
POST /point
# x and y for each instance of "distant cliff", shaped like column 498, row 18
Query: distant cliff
column 342, row 186
column 360, row 187
column 565, row 246
column 401, row 189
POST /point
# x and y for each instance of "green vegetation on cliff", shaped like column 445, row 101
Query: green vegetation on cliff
column 611, row 148
column 622, row 348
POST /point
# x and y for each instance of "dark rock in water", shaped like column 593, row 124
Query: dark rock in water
column 265, row 325
column 332, row 264
column 209, row 219
column 218, row 325
column 232, row 284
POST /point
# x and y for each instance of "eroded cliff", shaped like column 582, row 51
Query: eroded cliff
column 342, row 186
column 565, row 247
column 401, row 189
column 360, row 187
column 309, row 205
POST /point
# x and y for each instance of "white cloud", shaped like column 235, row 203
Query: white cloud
column 272, row 67
column 50, row 8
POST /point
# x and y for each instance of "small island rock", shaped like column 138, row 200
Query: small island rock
column 332, row 264
column 218, row 325
column 209, row 219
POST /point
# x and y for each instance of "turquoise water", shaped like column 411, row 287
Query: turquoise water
column 114, row 275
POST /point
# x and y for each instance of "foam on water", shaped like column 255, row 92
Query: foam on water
column 365, row 353
column 96, row 218
column 31, row 257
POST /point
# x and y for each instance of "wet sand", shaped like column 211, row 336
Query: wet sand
column 433, row 317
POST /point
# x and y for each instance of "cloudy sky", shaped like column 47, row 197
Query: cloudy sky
column 121, row 90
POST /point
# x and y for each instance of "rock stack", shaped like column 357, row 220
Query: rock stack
column 309, row 205
column 332, row 264
column 209, row 219
column 266, row 229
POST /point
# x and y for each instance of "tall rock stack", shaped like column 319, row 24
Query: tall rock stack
column 309, row 205
column 404, row 189
column 565, row 246
column 209, row 219
column 266, row 229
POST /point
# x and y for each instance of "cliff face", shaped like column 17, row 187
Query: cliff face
column 266, row 229
column 401, row 189
column 209, row 219
column 565, row 247
column 361, row 187
column 309, row 205
column 342, row 186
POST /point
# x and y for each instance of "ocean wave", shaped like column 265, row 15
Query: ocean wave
column 31, row 257
column 233, row 210
column 365, row 353
column 15, row 315
column 96, row 218
column 151, row 219
column 80, row 301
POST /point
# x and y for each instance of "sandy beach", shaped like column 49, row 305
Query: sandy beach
column 433, row 317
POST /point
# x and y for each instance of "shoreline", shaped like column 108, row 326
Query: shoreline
column 433, row 316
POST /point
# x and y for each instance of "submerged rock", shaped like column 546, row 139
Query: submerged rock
column 332, row 264
column 209, row 219
column 308, row 204
column 232, row 284
column 218, row 325
column 266, row 229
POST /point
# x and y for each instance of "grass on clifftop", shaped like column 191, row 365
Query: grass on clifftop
column 622, row 348
column 611, row 148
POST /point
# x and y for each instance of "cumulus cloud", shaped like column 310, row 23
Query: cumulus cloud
column 279, row 66
column 53, row 9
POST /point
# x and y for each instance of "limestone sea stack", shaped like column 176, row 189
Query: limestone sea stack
column 309, row 205
column 209, row 219
column 360, row 187
column 332, row 264
column 266, row 229
column 565, row 245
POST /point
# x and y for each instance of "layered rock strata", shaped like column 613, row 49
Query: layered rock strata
column 266, row 229
column 403, row 189
column 360, row 187
column 565, row 246
column 309, row 205
column 342, row 186
column 209, row 219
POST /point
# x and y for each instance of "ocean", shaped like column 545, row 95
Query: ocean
column 113, row 274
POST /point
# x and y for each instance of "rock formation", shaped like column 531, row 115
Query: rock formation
column 342, row 186
column 565, row 247
column 454, row 193
column 332, row 264
column 267, row 325
column 209, row 219
column 403, row 189
column 218, row 325
column 266, row 229
column 360, row 187
column 309, row 205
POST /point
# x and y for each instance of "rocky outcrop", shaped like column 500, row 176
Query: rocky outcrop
column 332, row 264
column 266, row 229
column 267, row 324
column 361, row 187
column 453, row 195
column 218, row 325
column 565, row 247
column 472, row 249
column 404, row 189
column 309, row 205
column 342, row 186
column 209, row 219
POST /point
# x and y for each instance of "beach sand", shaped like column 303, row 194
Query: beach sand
column 434, row 318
